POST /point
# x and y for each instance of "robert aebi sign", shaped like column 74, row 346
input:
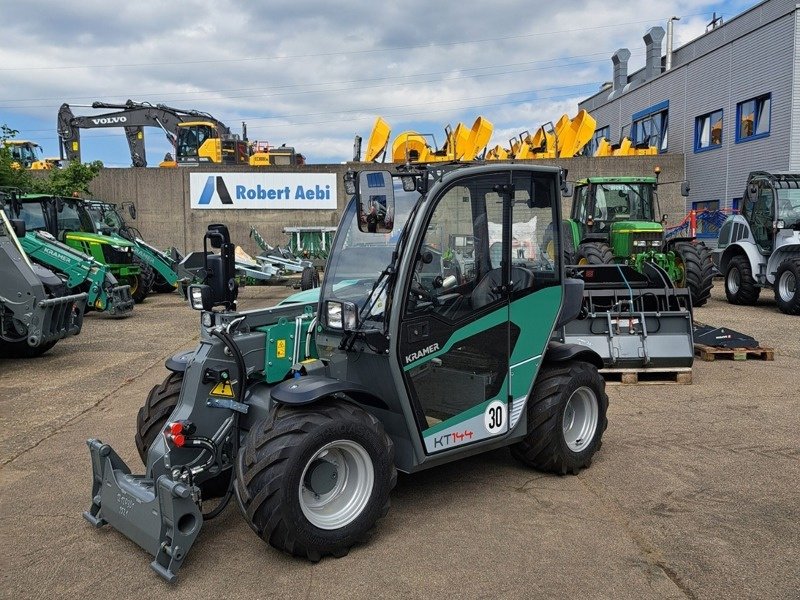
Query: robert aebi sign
column 263, row 190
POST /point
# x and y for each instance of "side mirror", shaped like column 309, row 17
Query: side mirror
column 567, row 190
column 375, row 197
column 685, row 188
column 664, row 219
column 132, row 211
column 752, row 190
column 19, row 227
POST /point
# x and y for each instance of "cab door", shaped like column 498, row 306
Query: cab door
column 454, row 334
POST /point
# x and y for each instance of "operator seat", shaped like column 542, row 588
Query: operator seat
column 487, row 290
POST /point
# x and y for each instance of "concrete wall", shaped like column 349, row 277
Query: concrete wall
column 165, row 218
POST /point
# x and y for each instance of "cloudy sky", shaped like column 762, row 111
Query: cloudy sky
column 312, row 74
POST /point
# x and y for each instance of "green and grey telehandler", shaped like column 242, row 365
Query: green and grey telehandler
column 36, row 310
column 305, row 412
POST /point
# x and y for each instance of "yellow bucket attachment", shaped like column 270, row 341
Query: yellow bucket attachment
column 412, row 146
column 575, row 134
column 603, row 148
column 497, row 153
column 378, row 139
column 624, row 148
column 543, row 144
column 478, row 137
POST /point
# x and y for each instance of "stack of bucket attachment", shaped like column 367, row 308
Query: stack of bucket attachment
column 632, row 319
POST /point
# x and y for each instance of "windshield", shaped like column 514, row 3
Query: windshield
column 624, row 202
column 105, row 219
column 71, row 217
column 789, row 206
column 357, row 258
column 32, row 214
column 191, row 138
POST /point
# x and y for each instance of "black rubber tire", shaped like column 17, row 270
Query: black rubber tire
column 152, row 417
column 544, row 447
column 21, row 349
column 309, row 279
column 161, row 285
column 271, row 463
column 698, row 269
column 748, row 291
column 140, row 288
column 594, row 253
column 791, row 304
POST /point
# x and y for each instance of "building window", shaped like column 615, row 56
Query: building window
column 753, row 118
column 650, row 126
column 708, row 131
column 599, row 134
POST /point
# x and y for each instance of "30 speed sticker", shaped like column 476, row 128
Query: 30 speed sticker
column 494, row 419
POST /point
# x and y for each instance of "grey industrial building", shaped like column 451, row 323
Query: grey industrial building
column 728, row 100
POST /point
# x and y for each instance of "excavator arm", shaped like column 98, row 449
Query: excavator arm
column 133, row 117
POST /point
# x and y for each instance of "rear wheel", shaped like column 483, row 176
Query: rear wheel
column 740, row 287
column 21, row 349
column 698, row 270
column 162, row 286
column 786, row 280
column 594, row 253
column 566, row 419
column 141, row 283
column 309, row 278
column 313, row 481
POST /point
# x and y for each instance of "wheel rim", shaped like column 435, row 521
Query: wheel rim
column 681, row 267
column 579, row 422
column 787, row 286
column 733, row 280
column 336, row 484
column 134, row 283
column 583, row 261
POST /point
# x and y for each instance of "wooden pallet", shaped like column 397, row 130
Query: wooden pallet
column 710, row 353
column 647, row 376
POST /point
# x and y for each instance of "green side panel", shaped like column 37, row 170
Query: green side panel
column 286, row 344
column 574, row 227
column 486, row 322
column 159, row 265
column 535, row 315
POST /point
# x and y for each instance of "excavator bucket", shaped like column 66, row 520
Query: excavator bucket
column 576, row 134
column 632, row 319
column 378, row 140
column 477, row 138
column 410, row 146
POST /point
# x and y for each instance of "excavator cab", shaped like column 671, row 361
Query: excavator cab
column 201, row 141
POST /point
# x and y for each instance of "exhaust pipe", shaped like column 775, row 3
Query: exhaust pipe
column 670, row 32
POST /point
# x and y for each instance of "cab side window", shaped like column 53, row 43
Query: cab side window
column 535, row 253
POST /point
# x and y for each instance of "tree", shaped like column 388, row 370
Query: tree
column 75, row 177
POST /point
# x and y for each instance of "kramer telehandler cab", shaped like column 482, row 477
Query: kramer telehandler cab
column 305, row 412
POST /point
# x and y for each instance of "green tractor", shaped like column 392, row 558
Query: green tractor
column 161, row 268
column 305, row 412
column 614, row 220
column 68, row 221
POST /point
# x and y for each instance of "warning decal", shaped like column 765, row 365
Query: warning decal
column 223, row 389
column 280, row 351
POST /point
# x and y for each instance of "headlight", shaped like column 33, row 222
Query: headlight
column 639, row 243
column 342, row 315
column 200, row 297
column 334, row 315
column 121, row 248
column 655, row 243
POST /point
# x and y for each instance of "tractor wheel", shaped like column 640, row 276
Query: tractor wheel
column 740, row 287
column 698, row 271
column 786, row 286
column 313, row 481
column 152, row 419
column 162, row 286
column 309, row 278
column 21, row 349
column 141, row 283
column 594, row 253
column 566, row 419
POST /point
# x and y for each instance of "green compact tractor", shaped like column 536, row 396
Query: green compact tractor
column 760, row 248
column 305, row 412
column 160, row 269
column 613, row 220
column 36, row 309
column 68, row 221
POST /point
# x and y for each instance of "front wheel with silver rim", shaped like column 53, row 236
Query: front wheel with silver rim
column 786, row 279
column 313, row 480
column 566, row 418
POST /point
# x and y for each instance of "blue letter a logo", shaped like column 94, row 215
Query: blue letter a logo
column 208, row 191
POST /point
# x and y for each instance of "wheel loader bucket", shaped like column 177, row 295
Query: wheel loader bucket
column 457, row 143
column 378, row 140
column 576, row 134
column 603, row 148
column 478, row 138
column 410, row 146
column 497, row 153
column 632, row 319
